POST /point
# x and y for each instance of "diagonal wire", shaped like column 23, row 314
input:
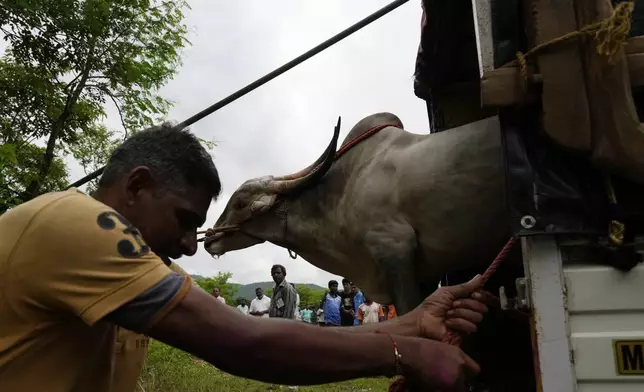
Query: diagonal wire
column 270, row 76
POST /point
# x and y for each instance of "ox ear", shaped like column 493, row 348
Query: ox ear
column 262, row 204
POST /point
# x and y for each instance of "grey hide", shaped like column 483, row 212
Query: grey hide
column 394, row 214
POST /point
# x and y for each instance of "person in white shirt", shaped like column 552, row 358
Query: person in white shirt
column 260, row 305
column 320, row 314
column 243, row 307
column 298, row 316
column 216, row 293
column 370, row 312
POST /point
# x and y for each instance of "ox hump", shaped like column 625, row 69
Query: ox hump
column 371, row 121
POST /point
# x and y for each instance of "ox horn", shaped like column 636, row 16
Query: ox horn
column 310, row 175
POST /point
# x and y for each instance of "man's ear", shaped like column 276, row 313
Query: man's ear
column 139, row 181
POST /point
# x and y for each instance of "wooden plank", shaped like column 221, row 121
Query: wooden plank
column 566, row 115
column 501, row 87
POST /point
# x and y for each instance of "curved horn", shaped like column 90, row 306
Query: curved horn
column 310, row 175
column 302, row 172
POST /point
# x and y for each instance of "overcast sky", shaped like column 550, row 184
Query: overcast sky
column 285, row 125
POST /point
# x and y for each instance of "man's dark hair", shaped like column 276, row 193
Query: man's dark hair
column 259, row 288
column 345, row 281
column 333, row 282
column 175, row 157
column 276, row 266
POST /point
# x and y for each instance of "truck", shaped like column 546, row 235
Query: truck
column 582, row 278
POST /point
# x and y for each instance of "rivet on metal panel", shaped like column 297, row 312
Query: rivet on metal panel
column 528, row 222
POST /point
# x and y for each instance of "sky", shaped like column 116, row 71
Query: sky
column 284, row 125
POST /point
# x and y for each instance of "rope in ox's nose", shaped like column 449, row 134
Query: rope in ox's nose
column 452, row 337
column 222, row 229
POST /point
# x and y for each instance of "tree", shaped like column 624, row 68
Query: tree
column 309, row 296
column 67, row 60
column 227, row 290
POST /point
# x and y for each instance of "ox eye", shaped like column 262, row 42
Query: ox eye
column 239, row 204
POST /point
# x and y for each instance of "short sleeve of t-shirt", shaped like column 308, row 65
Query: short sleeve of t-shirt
column 80, row 256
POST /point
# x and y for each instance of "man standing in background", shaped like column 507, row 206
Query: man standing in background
column 297, row 303
column 358, row 299
column 305, row 315
column 370, row 312
column 260, row 305
column 243, row 307
column 331, row 303
column 347, row 309
column 390, row 311
column 216, row 292
column 284, row 295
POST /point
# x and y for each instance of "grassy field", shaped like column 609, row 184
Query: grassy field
column 170, row 370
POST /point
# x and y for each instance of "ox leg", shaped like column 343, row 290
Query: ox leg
column 393, row 247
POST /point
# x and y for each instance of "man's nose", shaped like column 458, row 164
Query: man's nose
column 189, row 243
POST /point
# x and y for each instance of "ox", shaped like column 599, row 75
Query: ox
column 395, row 213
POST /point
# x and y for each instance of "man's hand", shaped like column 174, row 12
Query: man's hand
column 431, row 365
column 459, row 307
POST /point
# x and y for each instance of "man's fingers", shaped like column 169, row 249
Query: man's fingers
column 467, row 314
column 466, row 289
column 472, row 304
column 487, row 298
column 461, row 325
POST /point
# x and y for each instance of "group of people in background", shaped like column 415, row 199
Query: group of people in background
column 337, row 308
column 351, row 307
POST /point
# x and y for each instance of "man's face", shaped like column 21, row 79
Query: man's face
column 168, row 220
column 215, row 292
column 347, row 287
column 354, row 289
column 278, row 275
column 333, row 288
column 259, row 293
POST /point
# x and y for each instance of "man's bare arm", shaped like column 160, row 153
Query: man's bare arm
column 192, row 320
column 261, row 349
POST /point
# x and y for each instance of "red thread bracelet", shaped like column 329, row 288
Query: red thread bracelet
column 397, row 356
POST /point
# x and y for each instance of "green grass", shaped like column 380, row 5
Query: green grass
column 171, row 370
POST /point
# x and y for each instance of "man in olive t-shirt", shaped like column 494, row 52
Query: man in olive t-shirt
column 66, row 262
column 73, row 268
column 131, row 351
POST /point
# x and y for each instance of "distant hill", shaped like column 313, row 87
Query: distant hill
column 197, row 277
column 248, row 290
